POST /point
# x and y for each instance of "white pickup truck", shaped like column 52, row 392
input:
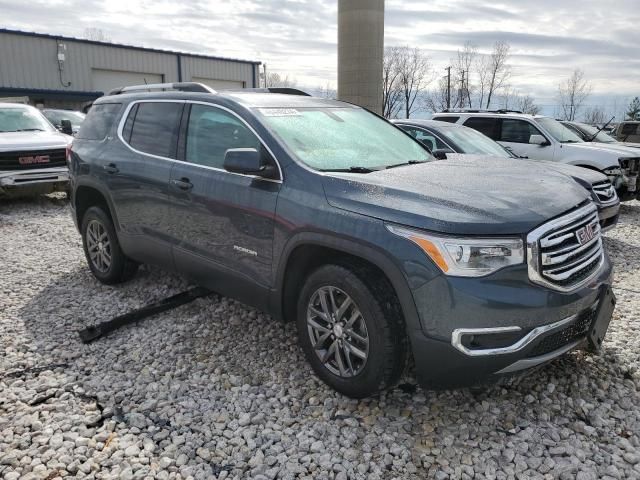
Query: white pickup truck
column 32, row 152
column 542, row 138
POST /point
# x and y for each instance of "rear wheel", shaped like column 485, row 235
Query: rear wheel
column 351, row 332
column 101, row 248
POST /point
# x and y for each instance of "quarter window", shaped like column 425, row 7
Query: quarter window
column 99, row 120
column 484, row 125
column 155, row 128
column 211, row 132
column 517, row 131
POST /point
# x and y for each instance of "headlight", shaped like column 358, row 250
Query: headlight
column 465, row 257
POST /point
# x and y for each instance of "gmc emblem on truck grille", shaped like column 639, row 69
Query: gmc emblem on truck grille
column 586, row 233
column 33, row 159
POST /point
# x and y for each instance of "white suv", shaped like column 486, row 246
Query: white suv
column 542, row 138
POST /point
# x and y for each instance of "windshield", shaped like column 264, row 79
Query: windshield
column 21, row 119
column 474, row 142
column 56, row 117
column 559, row 131
column 590, row 131
column 342, row 138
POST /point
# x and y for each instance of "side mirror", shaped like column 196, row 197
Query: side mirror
column 440, row 154
column 65, row 127
column 538, row 140
column 247, row 161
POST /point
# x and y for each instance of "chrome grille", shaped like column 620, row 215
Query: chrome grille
column 567, row 252
column 605, row 192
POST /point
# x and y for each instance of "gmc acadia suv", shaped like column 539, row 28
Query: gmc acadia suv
column 325, row 214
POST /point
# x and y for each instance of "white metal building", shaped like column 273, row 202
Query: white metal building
column 56, row 71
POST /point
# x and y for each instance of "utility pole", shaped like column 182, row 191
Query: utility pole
column 448, row 88
column 462, row 101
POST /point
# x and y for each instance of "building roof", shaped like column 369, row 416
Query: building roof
column 120, row 45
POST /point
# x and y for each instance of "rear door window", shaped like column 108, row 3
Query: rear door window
column 485, row 125
column 517, row 131
column 155, row 128
column 99, row 120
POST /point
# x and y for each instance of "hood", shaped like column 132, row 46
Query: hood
column 489, row 197
column 618, row 149
column 10, row 141
column 585, row 176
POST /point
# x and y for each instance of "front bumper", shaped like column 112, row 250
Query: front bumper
column 18, row 178
column 550, row 324
column 608, row 215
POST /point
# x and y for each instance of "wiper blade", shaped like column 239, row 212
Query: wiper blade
column 354, row 169
column 410, row 162
column 29, row 130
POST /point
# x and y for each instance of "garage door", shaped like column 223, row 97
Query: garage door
column 219, row 84
column 105, row 80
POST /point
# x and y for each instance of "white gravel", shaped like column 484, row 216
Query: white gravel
column 218, row 390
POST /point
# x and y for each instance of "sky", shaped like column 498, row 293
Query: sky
column 548, row 38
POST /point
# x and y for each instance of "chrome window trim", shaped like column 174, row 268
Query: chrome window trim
column 533, row 256
column 430, row 132
column 457, row 334
column 125, row 115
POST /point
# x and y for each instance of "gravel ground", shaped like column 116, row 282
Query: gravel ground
column 218, row 390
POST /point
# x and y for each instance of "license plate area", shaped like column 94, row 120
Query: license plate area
column 601, row 322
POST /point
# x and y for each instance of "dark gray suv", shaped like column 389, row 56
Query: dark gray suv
column 322, row 213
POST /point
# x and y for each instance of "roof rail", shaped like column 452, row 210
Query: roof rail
column 179, row 86
column 283, row 90
column 476, row 110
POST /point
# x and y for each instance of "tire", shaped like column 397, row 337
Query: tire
column 106, row 260
column 380, row 323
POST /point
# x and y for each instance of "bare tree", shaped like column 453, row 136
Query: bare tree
column 493, row 72
column 96, row 34
column 436, row 100
column 391, row 91
column 415, row 75
column 594, row 116
column 327, row 91
column 572, row 93
column 526, row 104
column 274, row 79
column 462, row 66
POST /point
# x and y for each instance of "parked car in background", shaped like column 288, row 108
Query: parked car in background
column 57, row 117
column 542, row 138
column 32, row 152
column 628, row 131
column 450, row 140
column 322, row 213
column 590, row 133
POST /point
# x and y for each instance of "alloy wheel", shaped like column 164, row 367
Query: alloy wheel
column 338, row 331
column 98, row 246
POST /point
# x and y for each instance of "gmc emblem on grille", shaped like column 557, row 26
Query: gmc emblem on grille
column 586, row 233
column 33, row 159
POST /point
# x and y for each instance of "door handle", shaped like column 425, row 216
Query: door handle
column 183, row 184
column 110, row 168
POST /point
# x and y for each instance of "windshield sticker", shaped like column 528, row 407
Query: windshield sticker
column 279, row 112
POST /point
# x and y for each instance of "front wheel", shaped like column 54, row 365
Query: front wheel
column 101, row 248
column 352, row 332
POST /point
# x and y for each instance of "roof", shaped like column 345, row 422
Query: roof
column 122, row 45
column 249, row 98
